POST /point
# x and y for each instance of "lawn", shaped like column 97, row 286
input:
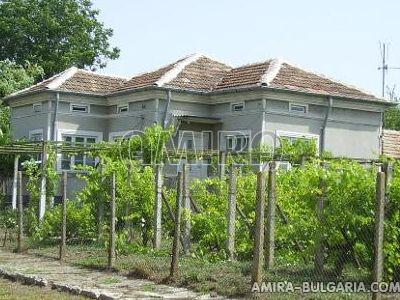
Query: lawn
column 15, row 291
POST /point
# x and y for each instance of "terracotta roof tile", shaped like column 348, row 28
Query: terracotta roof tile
column 201, row 73
column 391, row 143
column 204, row 74
column 293, row 78
column 248, row 75
column 88, row 82
column 147, row 79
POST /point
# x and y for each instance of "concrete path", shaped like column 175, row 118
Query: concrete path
column 93, row 284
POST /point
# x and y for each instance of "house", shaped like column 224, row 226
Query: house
column 213, row 106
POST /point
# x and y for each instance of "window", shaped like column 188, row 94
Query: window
column 79, row 108
column 298, row 108
column 67, row 162
column 36, row 137
column 122, row 109
column 37, row 107
column 238, row 107
column 294, row 136
column 242, row 143
column 189, row 145
column 237, row 143
column 229, row 142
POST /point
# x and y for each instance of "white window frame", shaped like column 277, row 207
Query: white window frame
column 234, row 135
column 122, row 106
column 298, row 135
column 237, row 103
column 80, row 133
column 35, row 106
column 72, row 105
column 113, row 136
column 291, row 104
column 36, row 131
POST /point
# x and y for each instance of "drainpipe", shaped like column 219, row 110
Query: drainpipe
column 54, row 134
column 164, row 123
column 323, row 128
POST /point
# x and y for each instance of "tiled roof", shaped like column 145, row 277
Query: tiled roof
column 248, row 75
column 391, row 143
column 88, row 82
column 200, row 73
column 204, row 74
column 294, row 78
column 147, row 79
column 78, row 81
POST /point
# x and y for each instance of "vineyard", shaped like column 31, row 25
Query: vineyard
column 315, row 221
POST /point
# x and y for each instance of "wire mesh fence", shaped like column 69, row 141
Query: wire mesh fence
column 318, row 222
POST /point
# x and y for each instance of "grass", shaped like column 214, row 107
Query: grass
column 223, row 277
column 15, row 291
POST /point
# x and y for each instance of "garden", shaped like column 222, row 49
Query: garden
column 320, row 216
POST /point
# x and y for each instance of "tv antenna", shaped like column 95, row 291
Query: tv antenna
column 385, row 67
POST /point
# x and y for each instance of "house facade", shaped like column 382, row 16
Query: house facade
column 212, row 105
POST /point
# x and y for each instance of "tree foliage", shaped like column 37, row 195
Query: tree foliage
column 392, row 118
column 13, row 77
column 54, row 34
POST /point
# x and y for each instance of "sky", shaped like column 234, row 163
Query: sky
column 337, row 38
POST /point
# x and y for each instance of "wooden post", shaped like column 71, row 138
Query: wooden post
column 258, row 256
column 20, row 213
column 42, row 201
column 63, row 240
column 378, row 230
column 388, row 169
column 128, row 222
column 319, row 243
column 232, row 212
column 177, row 232
column 187, row 207
column 15, row 183
column 158, row 207
column 271, row 209
column 111, row 248
column 222, row 164
column 100, row 208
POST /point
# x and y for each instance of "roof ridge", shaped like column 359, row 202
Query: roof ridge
column 272, row 71
column 62, row 78
column 177, row 69
column 35, row 85
column 252, row 64
column 104, row 75
column 285, row 61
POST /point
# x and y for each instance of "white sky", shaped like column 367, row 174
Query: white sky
column 337, row 38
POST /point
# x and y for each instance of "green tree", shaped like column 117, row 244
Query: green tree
column 55, row 34
column 13, row 77
column 392, row 118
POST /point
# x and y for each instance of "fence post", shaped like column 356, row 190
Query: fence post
column 15, row 183
column 42, row 201
column 177, row 232
column 258, row 256
column 187, row 207
column 378, row 230
column 20, row 213
column 111, row 248
column 63, row 241
column 128, row 208
column 100, row 209
column 271, row 213
column 319, row 243
column 222, row 164
column 232, row 212
column 158, row 207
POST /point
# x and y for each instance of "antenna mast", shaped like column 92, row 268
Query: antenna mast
column 385, row 67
